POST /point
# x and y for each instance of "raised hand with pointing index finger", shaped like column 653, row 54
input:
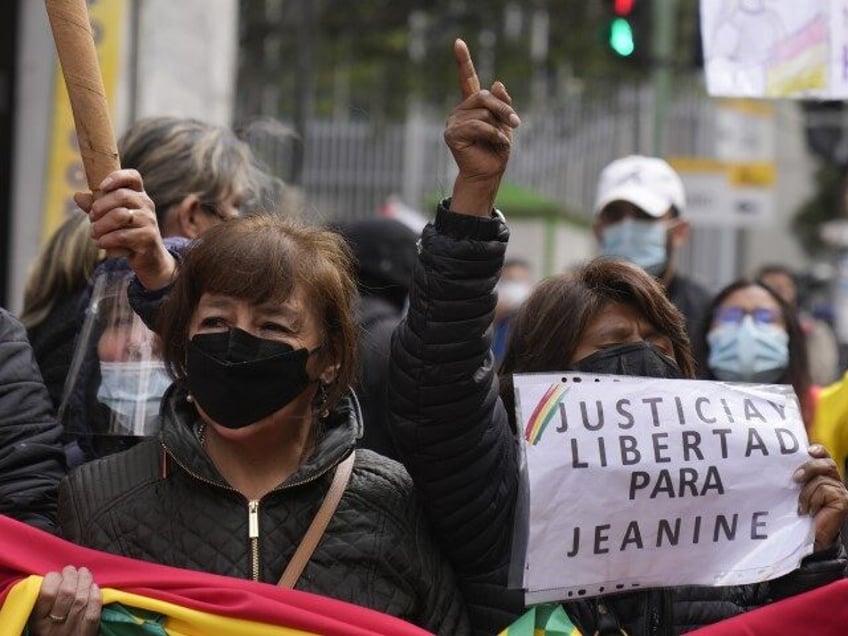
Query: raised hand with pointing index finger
column 479, row 135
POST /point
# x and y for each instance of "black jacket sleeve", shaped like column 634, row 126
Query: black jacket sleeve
column 447, row 420
column 31, row 457
column 147, row 303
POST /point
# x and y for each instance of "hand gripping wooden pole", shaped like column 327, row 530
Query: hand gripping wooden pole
column 75, row 44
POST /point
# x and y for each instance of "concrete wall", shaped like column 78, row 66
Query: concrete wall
column 33, row 101
column 187, row 58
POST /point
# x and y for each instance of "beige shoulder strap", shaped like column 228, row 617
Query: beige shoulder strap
column 319, row 524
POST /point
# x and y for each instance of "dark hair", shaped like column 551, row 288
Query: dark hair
column 262, row 258
column 798, row 372
column 549, row 326
column 385, row 251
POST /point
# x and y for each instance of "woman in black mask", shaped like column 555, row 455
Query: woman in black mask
column 452, row 419
column 258, row 330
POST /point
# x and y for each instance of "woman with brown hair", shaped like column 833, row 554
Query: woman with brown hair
column 258, row 432
column 456, row 436
column 601, row 318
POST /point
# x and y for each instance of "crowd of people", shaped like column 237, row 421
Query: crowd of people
column 271, row 372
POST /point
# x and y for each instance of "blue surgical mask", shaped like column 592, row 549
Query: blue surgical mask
column 133, row 390
column 643, row 243
column 748, row 352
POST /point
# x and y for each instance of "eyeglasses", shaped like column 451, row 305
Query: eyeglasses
column 733, row 315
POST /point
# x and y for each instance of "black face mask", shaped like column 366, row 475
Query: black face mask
column 238, row 379
column 638, row 358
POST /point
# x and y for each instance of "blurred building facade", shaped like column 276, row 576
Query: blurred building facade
column 193, row 58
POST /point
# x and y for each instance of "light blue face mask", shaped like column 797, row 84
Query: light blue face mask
column 748, row 352
column 643, row 243
column 133, row 391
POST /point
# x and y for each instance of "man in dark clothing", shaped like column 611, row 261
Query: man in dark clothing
column 386, row 253
column 31, row 457
column 639, row 218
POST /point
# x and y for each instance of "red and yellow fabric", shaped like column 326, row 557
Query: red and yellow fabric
column 823, row 612
column 194, row 603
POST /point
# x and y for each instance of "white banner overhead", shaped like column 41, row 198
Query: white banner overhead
column 776, row 48
column 639, row 482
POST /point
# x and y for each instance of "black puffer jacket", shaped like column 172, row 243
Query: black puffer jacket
column 164, row 501
column 452, row 432
column 31, row 457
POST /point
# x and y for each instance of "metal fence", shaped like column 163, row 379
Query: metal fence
column 351, row 167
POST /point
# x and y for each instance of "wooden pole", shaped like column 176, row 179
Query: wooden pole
column 74, row 40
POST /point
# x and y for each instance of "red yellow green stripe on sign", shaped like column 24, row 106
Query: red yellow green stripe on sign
column 543, row 413
column 543, row 620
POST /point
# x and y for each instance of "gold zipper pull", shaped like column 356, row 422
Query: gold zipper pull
column 253, row 519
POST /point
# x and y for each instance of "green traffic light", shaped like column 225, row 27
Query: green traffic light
column 621, row 37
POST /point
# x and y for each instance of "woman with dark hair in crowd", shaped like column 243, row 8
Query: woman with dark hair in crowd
column 455, row 434
column 752, row 335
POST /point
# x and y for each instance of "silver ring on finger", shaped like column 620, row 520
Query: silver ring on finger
column 56, row 619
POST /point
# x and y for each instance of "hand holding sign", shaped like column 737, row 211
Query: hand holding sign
column 123, row 217
column 823, row 495
column 479, row 135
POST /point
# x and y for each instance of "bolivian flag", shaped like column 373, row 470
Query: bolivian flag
column 183, row 602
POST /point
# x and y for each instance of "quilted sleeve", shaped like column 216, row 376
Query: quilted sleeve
column 31, row 457
column 444, row 611
column 447, row 420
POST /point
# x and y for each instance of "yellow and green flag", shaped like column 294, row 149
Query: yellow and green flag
column 543, row 620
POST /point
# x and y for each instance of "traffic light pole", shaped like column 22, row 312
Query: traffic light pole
column 664, row 14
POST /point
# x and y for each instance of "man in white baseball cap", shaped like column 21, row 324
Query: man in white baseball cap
column 639, row 217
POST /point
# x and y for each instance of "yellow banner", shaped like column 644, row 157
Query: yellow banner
column 65, row 173
column 751, row 174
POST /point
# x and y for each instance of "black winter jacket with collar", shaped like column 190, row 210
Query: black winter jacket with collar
column 164, row 501
column 452, row 433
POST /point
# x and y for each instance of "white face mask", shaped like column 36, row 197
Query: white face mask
column 511, row 293
column 133, row 391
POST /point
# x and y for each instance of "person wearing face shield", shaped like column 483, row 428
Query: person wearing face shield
column 453, row 416
column 639, row 217
column 116, row 377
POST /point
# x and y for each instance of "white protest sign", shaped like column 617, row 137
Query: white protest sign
column 640, row 482
column 775, row 48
